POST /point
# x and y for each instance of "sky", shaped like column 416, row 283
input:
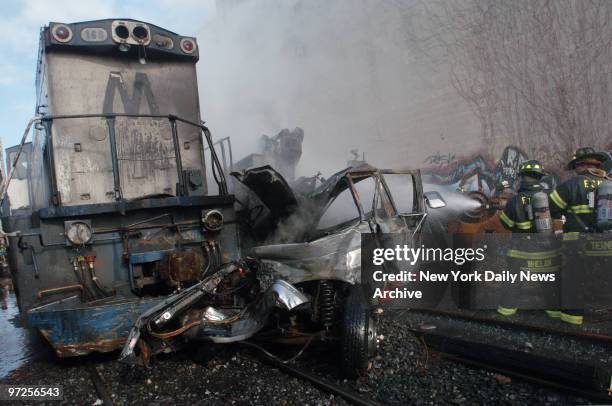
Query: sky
column 21, row 23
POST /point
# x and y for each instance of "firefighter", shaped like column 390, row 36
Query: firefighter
column 574, row 199
column 527, row 213
column 514, row 216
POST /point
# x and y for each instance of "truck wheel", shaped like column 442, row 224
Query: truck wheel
column 358, row 337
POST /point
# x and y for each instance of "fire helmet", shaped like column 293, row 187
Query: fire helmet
column 532, row 168
column 586, row 155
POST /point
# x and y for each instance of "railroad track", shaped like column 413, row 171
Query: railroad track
column 532, row 368
column 99, row 385
column 585, row 335
column 354, row 398
column 594, row 395
column 577, row 389
column 515, row 364
column 571, row 377
column 319, row 382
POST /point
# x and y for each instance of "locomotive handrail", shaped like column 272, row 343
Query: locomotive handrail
column 218, row 172
column 220, row 142
column 7, row 181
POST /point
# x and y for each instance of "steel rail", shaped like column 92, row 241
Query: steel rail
column 479, row 356
column 490, row 366
column 321, row 383
column 99, row 385
column 586, row 335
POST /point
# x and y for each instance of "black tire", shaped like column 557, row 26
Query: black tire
column 358, row 334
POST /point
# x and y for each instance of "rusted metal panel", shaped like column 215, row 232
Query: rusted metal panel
column 73, row 331
column 74, row 350
column 101, row 84
column 184, row 266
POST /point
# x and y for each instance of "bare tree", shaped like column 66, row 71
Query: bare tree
column 537, row 73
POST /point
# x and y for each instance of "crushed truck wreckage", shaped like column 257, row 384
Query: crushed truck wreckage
column 219, row 325
column 307, row 272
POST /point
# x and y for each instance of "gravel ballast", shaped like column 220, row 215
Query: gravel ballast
column 404, row 372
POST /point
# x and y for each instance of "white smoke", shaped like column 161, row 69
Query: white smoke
column 345, row 71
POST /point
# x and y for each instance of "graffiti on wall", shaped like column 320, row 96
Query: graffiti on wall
column 507, row 166
column 477, row 172
column 440, row 160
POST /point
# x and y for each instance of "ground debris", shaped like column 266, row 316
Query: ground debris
column 502, row 378
column 234, row 375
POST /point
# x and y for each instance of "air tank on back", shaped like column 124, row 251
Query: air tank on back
column 604, row 207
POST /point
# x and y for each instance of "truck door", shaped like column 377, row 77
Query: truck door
column 405, row 191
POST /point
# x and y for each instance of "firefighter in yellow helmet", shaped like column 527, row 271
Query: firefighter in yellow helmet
column 575, row 200
column 527, row 213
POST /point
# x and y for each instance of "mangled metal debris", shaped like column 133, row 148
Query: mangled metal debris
column 303, row 266
column 183, row 314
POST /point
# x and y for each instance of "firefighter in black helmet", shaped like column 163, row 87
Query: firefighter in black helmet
column 514, row 217
column 575, row 200
column 523, row 215
column 571, row 198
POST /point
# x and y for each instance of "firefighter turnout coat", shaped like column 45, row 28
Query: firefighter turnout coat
column 529, row 251
column 575, row 198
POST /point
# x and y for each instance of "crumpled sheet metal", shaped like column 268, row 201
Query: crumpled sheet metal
column 288, row 295
column 251, row 320
column 337, row 256
column 212, row 314
column 271, row 188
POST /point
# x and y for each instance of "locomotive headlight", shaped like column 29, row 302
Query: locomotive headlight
column 212, row 220
column 78, row 232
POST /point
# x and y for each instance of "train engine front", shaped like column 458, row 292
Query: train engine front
column 127, row 199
